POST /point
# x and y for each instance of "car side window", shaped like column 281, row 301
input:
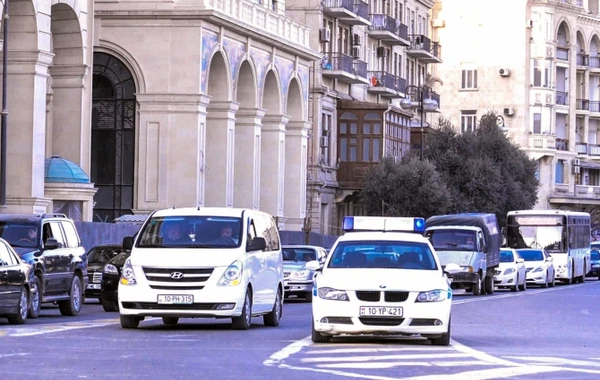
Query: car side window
column 262, row 230
column 251, row 230
column 5, row 256
column 71, row 234
column 53, row 230
column 272, row 232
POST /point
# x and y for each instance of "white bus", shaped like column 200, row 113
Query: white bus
column 565, row 235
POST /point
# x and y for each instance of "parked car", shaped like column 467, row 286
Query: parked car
column 51, row 244
column 595, row 261
column 298, row 281
column 14, row 285
column 511, row 272
column 540, row 268
column 110, row 280
column 97, row 257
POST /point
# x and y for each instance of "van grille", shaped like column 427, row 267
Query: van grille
column 177, row 278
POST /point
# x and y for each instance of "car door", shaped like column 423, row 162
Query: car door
column 13, row 274
column 4, row 289
column 521, row 268
column 255, row 260
column 54, row 282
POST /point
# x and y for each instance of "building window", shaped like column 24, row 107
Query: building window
column 348, row 137
column 469, row 79
column 371, row 138
column 468, row 121
column 397, row 135
column 542, row 73
column 325, row 142
column 537, row 123
column 560, row 172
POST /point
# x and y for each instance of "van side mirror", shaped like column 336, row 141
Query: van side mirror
column 519, row 261
column 256, row 244
column 51, row 243
column 127, row 242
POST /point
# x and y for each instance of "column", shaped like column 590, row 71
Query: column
column 247, row 157
column 71, row 133
column 26, row 131
column 272, row 164
column 219, row 158
column 296, row 150
column 171, row 140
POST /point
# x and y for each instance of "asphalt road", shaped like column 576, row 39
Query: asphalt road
column 536, row 334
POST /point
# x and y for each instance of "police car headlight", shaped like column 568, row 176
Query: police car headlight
column 437, row 295
column 333, row 294
column 561, row 269
column 128, row 275
column 509, row 271
column 232, row 275
column 303, row 273
column 538, row 269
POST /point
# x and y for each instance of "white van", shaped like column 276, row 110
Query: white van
column 206, row 262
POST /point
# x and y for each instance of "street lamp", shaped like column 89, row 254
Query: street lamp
column 423, row 105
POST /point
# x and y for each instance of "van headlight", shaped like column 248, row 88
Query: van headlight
column 437, row 295
column 232, row 275
column 333, row 294
column 128, row 275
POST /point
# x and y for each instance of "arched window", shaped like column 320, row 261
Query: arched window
column 113, row 137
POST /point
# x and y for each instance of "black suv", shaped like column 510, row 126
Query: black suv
column 50, row 243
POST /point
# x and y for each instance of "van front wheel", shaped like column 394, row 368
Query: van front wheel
column 273, row 318
column 244, row 321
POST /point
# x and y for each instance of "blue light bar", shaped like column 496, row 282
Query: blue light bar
column 389, row 224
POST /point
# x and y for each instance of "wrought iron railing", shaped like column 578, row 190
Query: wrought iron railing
column 562, row 98
column 383, row 22
column 582, row 104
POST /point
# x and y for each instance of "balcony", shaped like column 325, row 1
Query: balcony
column 583, row 60
column 389, row 30
column 594, row 150
column 582, row 105
column 594, row 106
column 386, row 84
column 422, row 48
column 344, row 68
column 435, row 96
column 542, row 144
column 562, row 144
column 581, row 148
column 562, row 53
column 562, row 98
column 351, row 12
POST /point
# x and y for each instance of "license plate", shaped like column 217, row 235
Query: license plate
column 380, row 311
column 175, row 299
column 94, row 286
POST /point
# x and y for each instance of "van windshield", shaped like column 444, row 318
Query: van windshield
column 191, row 232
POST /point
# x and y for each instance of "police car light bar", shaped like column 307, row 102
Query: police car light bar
column 374, row 223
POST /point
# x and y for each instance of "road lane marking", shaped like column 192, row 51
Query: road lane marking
column 457, row 301
column 480, row 355
column 287, row 351
column 373, row 350
column 487, row 374
column 54, row 328
column 534, row 360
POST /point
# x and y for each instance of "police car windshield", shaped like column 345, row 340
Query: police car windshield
column 191, row 232
column 382, row 254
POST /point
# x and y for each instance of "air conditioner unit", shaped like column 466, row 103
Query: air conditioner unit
column 504, row 72
column 576, row 162
column 325, row 35
column 324, row 141
column 380, row 52
column 576, row 169
column 355, row 52
column 355, row 39
column 509, row 111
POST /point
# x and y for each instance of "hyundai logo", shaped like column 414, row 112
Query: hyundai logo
column 177, row 275
column 382, row 286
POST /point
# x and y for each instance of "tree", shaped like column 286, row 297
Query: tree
column 480, row 171
column 408, row 188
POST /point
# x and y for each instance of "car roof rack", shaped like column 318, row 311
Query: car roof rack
column 54, row 215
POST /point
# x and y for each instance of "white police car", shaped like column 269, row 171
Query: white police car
column 382, row 277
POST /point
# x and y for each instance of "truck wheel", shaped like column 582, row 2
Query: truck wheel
column 478, row 286
column 489, row 284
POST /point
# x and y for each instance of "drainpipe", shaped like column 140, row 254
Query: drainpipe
column 4, row 118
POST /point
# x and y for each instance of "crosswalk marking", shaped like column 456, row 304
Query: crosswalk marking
column 488, row 374
column 376, row 349
column 22, row 331
column 366, row 358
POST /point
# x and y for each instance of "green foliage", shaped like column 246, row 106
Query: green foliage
column 481, row 171
column 390, row 189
